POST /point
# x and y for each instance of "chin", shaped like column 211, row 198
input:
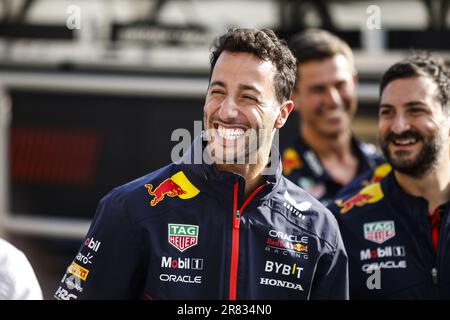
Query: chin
column 333, row 133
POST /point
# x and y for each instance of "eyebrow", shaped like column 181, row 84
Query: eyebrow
column 415, row 103
column 217, row 83
column 409, row 104
column 241, row 87
column 249, row 87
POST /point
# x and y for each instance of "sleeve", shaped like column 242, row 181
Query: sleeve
column 331, row 281
column 17, row 278
column 111, row 262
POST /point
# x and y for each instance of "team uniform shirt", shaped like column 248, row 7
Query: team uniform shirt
column 302, row 166
column 186, row 231
column 396, row 248
column 369, row 177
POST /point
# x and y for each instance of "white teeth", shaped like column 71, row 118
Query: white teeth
column 230, row 134
column 406, row 141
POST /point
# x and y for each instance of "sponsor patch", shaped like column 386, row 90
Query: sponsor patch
column 391, row 264
column 84, row 259
column 78, row 271
column 183, row 236
column 284, row 269
column 379, row 231
column 380, row 172
column 280, row 283
column 370, row 194
column 287, row 244
column 63, row 294
column 180, row 278
column 92, row 244
column 177, row 185
column 182, row 263
column 386, row 252
column 295, row 207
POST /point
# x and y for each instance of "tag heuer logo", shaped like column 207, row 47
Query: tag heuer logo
column 183, row 236
column 380, row 231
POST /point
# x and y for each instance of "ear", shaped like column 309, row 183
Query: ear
column 355, row 79
column 285, row 109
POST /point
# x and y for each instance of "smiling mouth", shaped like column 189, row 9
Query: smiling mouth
column 404, row 142
column 229, row 133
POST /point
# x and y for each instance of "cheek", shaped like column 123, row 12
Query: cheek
column 309, row 106
column 260, row 118
column 210, row 107
column 430, row 127
column 349, row 96
column 383, row 128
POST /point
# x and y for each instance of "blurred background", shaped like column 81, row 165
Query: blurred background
column 93, row 90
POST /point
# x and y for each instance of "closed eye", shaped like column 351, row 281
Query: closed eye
column 250, row 98
column 416, row 110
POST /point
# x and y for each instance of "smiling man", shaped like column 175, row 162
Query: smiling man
column 326, row 155
column 397, row 231
column 225, row 227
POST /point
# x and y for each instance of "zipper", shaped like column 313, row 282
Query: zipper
column 434, row 275
column 234, row 243
column 434, row 270
column 237, row 213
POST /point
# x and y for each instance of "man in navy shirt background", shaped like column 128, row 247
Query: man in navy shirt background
column 397, row 231
column 326, row 155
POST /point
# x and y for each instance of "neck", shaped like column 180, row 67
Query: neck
column 434, row 187
column 327, row 145
column 250, row 172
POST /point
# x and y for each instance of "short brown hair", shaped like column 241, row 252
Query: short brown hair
column 425, row 65
column 266, row 46
column 318, row 44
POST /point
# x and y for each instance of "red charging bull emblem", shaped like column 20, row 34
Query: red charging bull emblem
column 370, row 194
column 176, row 186
column 166, row 188
column 356, row 200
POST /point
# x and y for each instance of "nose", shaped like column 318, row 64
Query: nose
column 400, row 124
column 228, row 109
column 334, row 98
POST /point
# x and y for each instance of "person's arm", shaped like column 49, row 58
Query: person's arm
column 111, row 261
column 17, row 278
column 331, row 277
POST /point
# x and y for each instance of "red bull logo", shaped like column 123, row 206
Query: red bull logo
column 166, row 188
column 380, row 172
column 176, row 186
column 370, row 194
column 301, row 247
column 291, row 161
column 356, row 200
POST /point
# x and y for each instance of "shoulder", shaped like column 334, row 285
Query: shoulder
column 17, row 276
column 148, row 195
column 306, row 211
column 371, row 152
column 352, row 205
column 9, row 253
column 369, row 177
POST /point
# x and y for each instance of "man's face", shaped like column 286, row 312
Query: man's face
column 413, row 128
column 325, row 95
column 241, row 96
